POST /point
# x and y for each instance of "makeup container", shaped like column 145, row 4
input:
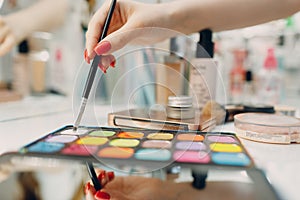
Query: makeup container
column 39, row 58
column 170, row 77
column 203, row 71
column 268, row 128
column 21, row 70
column 286, row 110
column 180, row 107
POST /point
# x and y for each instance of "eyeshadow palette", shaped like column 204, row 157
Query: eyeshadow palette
column 142, row 147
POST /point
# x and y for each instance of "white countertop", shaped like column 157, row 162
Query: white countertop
column 22, row 122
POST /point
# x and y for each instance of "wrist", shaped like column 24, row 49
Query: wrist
column 185, row 16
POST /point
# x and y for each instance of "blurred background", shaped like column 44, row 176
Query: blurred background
column 259, row 64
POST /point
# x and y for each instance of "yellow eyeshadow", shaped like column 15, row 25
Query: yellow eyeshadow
column 124, row 142
column 220, row 147
column 92, row 141
column 160, row 136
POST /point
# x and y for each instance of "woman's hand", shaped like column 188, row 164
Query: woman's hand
column 138, row 187
column 132, row 22
column 128, row 187
column 8, row 36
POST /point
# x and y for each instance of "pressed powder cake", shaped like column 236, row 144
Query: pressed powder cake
column 269, row 128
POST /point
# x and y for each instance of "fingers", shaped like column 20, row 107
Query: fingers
column 105, row 62
column 95, row 28
column 117, row 40
column 7, row 40
column 7, row 45
column 104, row 178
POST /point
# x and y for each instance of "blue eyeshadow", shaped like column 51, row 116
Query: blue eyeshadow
column 237, row 159
column 46, row 147
column 153, row 154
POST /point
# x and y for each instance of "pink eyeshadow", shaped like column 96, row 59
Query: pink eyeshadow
column 222, row 139
column 83, row 150
column 191, row 156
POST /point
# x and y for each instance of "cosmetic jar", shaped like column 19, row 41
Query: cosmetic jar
column 269, row 128
column 180, row 107
column 286, row 110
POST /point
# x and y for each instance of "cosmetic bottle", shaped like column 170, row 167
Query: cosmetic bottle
column 170, row 77
column 248, row 88
column 21, row 70
column 39, row 62
column 237, row 75
column 203, row 71
column 269, row 81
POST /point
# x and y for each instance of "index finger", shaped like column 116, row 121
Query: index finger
column 95, row 28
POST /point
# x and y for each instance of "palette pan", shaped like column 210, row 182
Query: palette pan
column 139, row 147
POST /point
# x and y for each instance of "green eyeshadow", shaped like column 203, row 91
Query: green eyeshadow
column 102, row 133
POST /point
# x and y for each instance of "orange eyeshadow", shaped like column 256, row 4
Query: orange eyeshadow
column 115, row 152
column 135, row 135
column 190, row 137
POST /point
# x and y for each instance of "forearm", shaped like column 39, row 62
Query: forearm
column 42, row 16
column 189, row 16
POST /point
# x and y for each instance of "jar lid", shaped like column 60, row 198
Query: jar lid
column 270, row 128
column 180, row 101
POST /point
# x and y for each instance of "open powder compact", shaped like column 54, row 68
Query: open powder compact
column 269, row 128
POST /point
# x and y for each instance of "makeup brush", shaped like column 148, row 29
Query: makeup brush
column 93, row 69
column 87, row 90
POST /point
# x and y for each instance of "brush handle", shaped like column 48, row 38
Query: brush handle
column 93, row 69
column 93, row 175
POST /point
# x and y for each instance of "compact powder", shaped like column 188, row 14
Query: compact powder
column 270, row 128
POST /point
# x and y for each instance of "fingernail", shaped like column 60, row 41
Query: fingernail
column 102, row 195
column 100, row 175
column 86, row 57
column 113, row 63
column 104, row 71
column 102, row 47
column 87, row 187
column 111, row 175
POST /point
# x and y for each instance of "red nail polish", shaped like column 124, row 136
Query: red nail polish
column 104, row 71
column 86, row 57
column 102, row 196
column 100, row 175
column 111, row 175
column 87, row 187
column 113, row 63
column 102, row 47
